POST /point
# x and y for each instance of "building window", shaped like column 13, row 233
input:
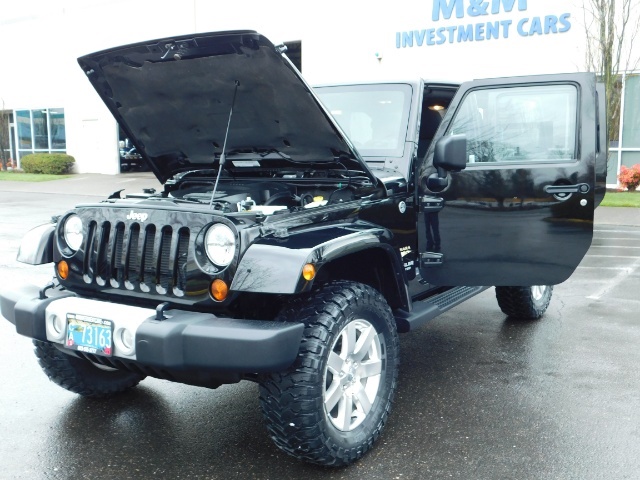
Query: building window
column 626, row 151
column 23, row 120
column 56, row 129
column 40, row 131
column 631, row 121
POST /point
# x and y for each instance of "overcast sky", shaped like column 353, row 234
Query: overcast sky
column 18, row 11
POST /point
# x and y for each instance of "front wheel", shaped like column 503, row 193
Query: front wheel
column 81, row 376
column 527, row 303
column 331, row 405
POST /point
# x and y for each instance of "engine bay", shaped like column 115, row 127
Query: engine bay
column 265, row 197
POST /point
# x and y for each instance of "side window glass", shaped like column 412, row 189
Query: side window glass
column 519, row 124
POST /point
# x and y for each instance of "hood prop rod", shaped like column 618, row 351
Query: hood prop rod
column 224, row 146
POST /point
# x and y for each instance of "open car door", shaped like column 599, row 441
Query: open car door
column 521, row 212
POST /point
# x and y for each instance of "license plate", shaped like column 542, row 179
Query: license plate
column 89, row 334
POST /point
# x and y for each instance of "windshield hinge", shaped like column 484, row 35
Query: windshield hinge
column 282, row 48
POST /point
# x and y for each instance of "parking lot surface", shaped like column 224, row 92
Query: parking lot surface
column 481, row 396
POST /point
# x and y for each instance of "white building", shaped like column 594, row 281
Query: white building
column 54, row 107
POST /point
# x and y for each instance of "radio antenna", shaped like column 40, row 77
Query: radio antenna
column 224, row 146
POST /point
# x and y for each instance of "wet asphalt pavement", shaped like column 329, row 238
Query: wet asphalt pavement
column 481, row 396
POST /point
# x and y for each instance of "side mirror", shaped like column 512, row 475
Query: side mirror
column 451, row 153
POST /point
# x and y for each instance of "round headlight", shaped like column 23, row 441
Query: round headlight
column 72, row 232
column 220, row 244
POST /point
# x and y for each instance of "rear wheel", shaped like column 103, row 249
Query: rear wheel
column 527, row 303
column 331, row 405
column 82, row 376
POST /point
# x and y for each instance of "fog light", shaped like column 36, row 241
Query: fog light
column 59, row 324
column 309, row 272
column 219, row 290
column 125, row 341
column 63, row 269
column 56, row 326
column 127, row 338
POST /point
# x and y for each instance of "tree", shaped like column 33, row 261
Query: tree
column 611, row 27
column 4, row 135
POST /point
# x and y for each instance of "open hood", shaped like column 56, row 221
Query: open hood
column 174, row 97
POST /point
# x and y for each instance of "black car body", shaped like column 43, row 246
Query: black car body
column 299, row 230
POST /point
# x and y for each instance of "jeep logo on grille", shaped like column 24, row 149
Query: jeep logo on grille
column 137, row 216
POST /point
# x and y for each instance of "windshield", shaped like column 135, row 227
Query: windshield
column 374, row 117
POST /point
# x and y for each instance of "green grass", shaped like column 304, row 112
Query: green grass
column 621, row 199
column 29, row 177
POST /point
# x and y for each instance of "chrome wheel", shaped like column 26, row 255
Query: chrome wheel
column 352, row 375
column 331, row 405
column 528, row 303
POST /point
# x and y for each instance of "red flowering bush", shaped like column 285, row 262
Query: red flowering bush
column 630, row 177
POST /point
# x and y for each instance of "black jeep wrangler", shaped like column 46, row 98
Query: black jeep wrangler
column 300, row 230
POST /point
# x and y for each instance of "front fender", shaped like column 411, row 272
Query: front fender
column 274, row 265
column 36, row 247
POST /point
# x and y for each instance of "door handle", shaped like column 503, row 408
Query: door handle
column 566, row 189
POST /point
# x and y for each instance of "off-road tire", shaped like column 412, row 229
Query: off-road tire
column 293, row 402
column 525, row 303
column 81, row 376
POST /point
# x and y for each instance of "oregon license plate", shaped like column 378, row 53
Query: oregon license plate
column 89, row 334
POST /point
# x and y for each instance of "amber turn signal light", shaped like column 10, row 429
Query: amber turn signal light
column 309, row 272
column 63, row 269
column 219, row 289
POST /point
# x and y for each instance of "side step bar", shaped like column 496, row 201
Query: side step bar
column 430, row 308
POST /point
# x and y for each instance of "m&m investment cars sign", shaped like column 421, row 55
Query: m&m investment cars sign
column 483, row 27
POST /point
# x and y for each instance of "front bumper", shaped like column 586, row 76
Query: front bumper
column 182, row 341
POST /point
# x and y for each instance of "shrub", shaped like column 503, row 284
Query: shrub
column 630, row 177
column 51, row 163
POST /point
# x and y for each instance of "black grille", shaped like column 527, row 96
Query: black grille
column 149, row 258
